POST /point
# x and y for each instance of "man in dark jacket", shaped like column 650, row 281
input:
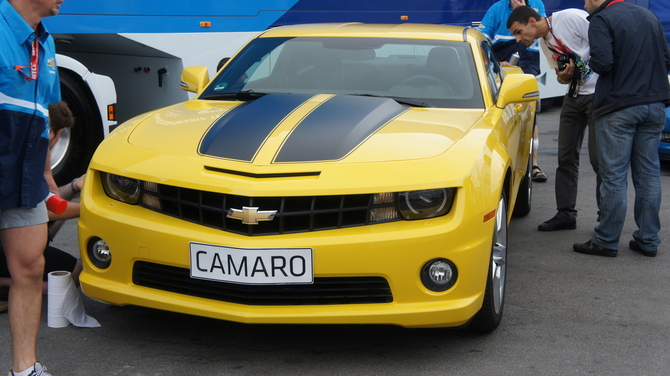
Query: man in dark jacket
column 630, row 53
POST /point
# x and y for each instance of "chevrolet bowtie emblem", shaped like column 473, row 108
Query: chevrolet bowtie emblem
column 251, row 215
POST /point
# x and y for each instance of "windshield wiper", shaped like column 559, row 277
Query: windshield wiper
column 240, row 95
column 402, row 100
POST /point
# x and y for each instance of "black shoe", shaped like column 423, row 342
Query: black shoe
column 636, row 247
column 558, row 224
column 594, row 249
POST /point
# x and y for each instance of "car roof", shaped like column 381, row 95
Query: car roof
column 356, row 29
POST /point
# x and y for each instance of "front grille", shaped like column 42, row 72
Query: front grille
column 338, row 290
column 294, row 214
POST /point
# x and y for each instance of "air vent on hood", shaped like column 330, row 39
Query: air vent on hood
column 263, row 176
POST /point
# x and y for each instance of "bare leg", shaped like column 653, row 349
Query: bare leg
column 536, row 135
column 24, row 247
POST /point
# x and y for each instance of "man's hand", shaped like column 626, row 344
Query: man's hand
column 565, row 76
column 517, row 3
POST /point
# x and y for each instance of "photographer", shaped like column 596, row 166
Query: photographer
column 565, row 44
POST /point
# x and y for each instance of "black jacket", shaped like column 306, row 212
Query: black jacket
column 630, row 53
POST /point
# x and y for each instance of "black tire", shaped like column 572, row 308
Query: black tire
column 70, row 157
column 523, row 202
column 489, row 316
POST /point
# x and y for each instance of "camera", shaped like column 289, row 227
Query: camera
column 562, row 61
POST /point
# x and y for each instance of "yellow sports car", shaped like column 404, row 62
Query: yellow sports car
column 329, row 173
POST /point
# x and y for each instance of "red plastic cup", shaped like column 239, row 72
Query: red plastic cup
column 56, row 204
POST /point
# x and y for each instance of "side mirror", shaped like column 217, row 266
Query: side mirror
column 518, row 88
column 194, row 79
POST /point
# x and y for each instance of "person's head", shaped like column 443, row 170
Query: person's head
column 60, row 117
column 523, row 23
column 222, row 62
column 32, row 11
column 592, row 5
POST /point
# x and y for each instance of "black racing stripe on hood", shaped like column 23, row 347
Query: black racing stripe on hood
column 337, row 127
column 241, row 131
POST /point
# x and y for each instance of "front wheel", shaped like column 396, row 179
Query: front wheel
column 489, row 316
column 522, row 205
column 71, row 155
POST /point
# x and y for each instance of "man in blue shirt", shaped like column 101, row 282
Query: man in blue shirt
column 494, row 26
column 28, row 84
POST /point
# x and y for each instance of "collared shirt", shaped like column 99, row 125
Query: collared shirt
column 24, row 132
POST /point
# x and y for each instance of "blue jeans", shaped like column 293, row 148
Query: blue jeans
column 630, row 138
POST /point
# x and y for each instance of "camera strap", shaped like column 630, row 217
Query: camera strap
column 560, row 48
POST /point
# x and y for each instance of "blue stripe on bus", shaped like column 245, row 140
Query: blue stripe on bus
column 166, row 16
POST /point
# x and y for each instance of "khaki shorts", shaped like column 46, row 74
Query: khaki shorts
column 11, row 218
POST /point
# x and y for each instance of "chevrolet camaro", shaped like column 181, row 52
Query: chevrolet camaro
column 328, row 173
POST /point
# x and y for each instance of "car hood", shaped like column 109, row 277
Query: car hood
column 282, row 129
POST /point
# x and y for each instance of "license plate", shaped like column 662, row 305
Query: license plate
column 252, row 266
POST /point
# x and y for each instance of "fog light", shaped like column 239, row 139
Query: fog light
column 439, row 275
column 99, row 253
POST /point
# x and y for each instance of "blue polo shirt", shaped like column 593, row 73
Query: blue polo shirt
column 24, row 131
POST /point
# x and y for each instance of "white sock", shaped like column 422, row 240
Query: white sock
column 24, row 373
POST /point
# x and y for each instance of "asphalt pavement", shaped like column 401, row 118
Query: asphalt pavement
column 565, row 314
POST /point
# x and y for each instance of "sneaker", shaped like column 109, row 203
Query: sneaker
column 538, row 175
column 589, row 248
column 39, row 370
column 558, row 224
column 636, row 247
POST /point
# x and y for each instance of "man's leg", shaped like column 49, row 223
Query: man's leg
column 593, row 146
column 615, row 135
column 24, row 247
column 570, row 138
column 538, row 175
column 646, row 174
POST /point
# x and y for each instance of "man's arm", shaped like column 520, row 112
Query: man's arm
column 600, row 42
column 490, row 22
column 48, row 176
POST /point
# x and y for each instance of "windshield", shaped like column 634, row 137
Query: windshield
column 425, row 73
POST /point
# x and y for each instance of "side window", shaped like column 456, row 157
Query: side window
column 494, row 72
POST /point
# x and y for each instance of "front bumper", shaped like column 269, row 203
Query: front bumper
column 394, row 251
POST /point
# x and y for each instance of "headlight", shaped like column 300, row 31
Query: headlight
column 427, row 203
column 121, row 188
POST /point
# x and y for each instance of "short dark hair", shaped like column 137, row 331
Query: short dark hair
column 522, row 15
column 60, row 116
column 222, row 62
